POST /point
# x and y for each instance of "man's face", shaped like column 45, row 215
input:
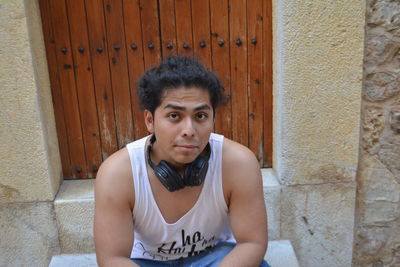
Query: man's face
column 182, row 124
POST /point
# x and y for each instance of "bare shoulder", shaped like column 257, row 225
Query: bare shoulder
column 114, row 177
column 241, row 171
column 237, row 156
column 239, row 163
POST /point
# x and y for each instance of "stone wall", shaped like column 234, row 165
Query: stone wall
column 318, row 58
column 377, row 233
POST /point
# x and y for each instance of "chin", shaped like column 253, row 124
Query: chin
column 184, row 159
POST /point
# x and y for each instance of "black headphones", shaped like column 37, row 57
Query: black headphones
column 194, row 174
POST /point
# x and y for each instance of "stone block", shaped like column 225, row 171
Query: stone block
column 380, row 49
column 389, row 155
column 373, row 126
column 272, row 192
column 381, row 85
column 379, row 199
column 377, row 245
column 74, row 207
column 280, row 254
column 385, row 14
column 318, row 220
column 28, row 233
column 76, row 260
column 377, row 236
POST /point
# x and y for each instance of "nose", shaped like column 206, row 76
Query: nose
column 188, row 129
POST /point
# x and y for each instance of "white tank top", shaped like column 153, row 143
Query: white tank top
column 204, row 225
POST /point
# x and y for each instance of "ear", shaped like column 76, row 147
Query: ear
column 149, row 121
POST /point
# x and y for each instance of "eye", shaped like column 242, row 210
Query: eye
column 173, row 116
column 201, row 116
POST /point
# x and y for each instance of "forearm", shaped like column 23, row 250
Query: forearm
column 245, row 255
column 118, row 262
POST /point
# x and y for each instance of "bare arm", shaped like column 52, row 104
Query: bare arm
column 247, row 211
column 113, row 221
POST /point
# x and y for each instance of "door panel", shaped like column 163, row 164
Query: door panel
column 97, row 50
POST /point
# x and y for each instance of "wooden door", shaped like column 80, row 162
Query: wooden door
column 97, row 50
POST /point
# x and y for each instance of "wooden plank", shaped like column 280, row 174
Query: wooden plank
column 119, row 71
column 268, row 108
column 150, row 33
column 133, row 36
column 68, row 88
column 84, row 85
column 221, row 61
column 183, row 17
column 101, row 76
column 55, row 87
column 201, row 31
column 238, row 24
column 255, row 77
column 168, row 32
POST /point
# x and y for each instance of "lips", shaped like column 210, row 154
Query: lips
column 187, row 147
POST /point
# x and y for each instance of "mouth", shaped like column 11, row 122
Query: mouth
column 187, row 147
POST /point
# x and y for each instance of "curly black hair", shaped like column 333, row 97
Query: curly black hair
column 176, row 72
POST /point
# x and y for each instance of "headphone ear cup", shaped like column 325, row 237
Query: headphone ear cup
column 196, row 172
column 169, row 177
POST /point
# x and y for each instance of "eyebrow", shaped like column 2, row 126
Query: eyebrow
column 202, row 107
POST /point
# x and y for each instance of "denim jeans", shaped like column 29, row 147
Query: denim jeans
column 210, row 258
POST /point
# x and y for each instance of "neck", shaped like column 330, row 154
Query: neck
column 155, row 157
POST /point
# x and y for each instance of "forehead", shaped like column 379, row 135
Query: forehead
column 186, row 95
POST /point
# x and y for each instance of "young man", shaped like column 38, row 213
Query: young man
column 182, row 196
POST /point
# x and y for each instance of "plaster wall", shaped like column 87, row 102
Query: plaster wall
column 318, row 74
column 318, row 57
column 30, row 162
